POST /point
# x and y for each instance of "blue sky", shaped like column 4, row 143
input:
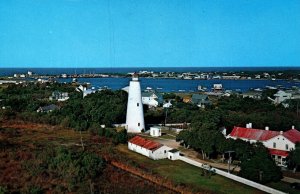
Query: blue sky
column 144, row 33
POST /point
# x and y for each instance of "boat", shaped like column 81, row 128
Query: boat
column 148, row 88
column 271, row 87
column 159, row 88
column 201, row 88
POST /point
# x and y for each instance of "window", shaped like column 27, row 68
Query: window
column 287, row 146
column 165, row 151
column 274, row 145
column 139, row 124
column 138, row 104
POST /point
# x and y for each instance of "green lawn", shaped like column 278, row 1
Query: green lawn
column 283, row 186
column 181, row 172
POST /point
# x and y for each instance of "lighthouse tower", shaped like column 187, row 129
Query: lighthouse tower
column 135, row 114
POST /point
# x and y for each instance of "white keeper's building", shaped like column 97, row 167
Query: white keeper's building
column 279, row 143
column 148, row 148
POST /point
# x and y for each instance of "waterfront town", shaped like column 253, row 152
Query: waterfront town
column 238, row 75
column 219, row 131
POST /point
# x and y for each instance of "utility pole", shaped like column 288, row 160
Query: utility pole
column 166, row 116
column 81, row 141
column 297, row 108
column 229, row 160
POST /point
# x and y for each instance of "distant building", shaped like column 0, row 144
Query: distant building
column 85, row 91
column 201, row 100
column 152, row 98
column 148, row 148
column 168, row 104
column 252, row 94
column 8, row 82
column 187, row 99
column 281, row 96
column 59, row 96
column 231, row 77
column 155, row 131
column 49, row 108
column 279, row 143
column 64, row 75
column 218, row 87
column 88, row 92
column 42, row 80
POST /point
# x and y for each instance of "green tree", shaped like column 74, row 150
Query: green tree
column 294, row 157
column 121, row 137
column 260, row 167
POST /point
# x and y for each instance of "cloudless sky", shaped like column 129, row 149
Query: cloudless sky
column 149, row 33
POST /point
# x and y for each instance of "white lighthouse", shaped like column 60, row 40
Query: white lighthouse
column 135, row 114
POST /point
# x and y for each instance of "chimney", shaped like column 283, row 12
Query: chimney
column 281, row 132
column 293, row 127
column 267, row 128
column 250, row 125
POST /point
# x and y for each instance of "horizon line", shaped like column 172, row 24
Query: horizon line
column 152, row 67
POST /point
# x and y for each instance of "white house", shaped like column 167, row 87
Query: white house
column 88, row 92
column 281, row 96
column 155, row 131
column 49, row 108
column 85, row 91
column 279, row 143
column 168, row 105
column 152, row 98
column 59, row 96
column 252, row 94
column 148, row 148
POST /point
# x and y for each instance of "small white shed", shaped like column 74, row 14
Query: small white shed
column 155, row 131
column 173, row 154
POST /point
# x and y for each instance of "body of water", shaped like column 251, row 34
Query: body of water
column 164, row 85
column 175, row 85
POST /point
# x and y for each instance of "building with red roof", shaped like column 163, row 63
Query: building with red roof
column 149, row 148
column 279, row 143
